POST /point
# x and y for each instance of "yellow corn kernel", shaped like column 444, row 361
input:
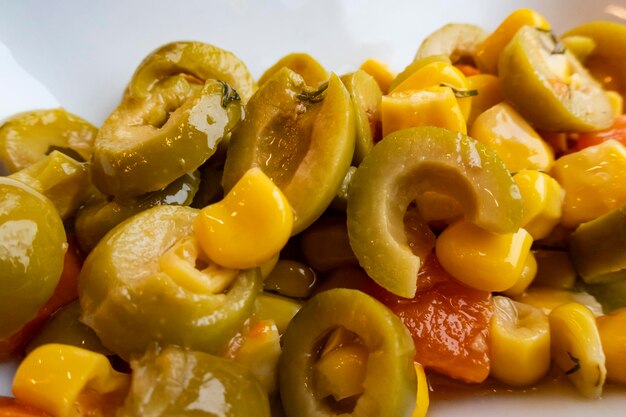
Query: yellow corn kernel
column 181, row 261
column 489, row 94
column 520, row 342
column 543, row 202
column 380, row 72
column 611, row 328
column 593, row 181
column 249, row 226
column 422, row 401
column 434, row 106
column 341, row 372
column 435, row 74
column 617, row 102
column 505, row 131
column 488, row 52
column 481, row 259
column 548, row 299
column 577, row 348
column 526, row 278
column 54, row 378
column 278, row 309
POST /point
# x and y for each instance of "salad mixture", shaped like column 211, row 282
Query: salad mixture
column 309, row 244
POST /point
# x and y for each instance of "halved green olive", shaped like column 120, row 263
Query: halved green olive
column 28, row 137
column 457, row 41
column 374, row 359
column 196, row 59
column 303, row 139
column 302, row 64
column 407, row 165
column 549, row 86
column 144, row 145
column 148, row 283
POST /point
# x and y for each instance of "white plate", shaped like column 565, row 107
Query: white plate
column 85, row 52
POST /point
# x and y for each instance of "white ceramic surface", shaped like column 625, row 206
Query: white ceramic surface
column 84, row 52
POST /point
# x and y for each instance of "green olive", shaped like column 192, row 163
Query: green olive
column 303, row 139
column 144, row 145
column 549, row 86
column 455, row 40
column 184, row 383
column 302, row 64
column 28, row 137
column 141, row 285
column 32, row 249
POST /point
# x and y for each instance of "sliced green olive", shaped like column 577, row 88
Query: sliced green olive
column 549, row 86
column 291, row 279
column 32, row 249
column 185, row 383
column 196, row 59
column 302, row 64
column 303, row 139
column 607, row 61
column 148, row 283
column 144, row 145
column 325, row 245
column 59, row 177
column 28, row 137
column 210, row 189
column 611, row 296
column 97, row 217
column 402, row 168
column 379, row 348
column 455, row 40
column 366, row 97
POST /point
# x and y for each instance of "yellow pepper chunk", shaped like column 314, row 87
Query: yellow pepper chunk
column 526, row 278
column 480, row 259
column 380, row 72
column 617, row 102
column 543, row 202
column 249, row 226
column 434, row 106
column 506, row 132
column 489, row 94
column 520, row 342
column 341, row 372
column 593, row 180
column 422, row 401
column 488, row 52
column 435, row 74
column 54, row 378
column 577, row 348
column 611, row 328
column 548, row 299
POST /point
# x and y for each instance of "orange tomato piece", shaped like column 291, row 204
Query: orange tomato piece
column 617, row 131
column 10, row 407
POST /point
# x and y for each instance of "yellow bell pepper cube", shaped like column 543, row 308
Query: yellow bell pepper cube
column 480, row 259
column 434, row 106
column 380, row 72
column 488, row 52
column 506, row 132
column 489, row 94
column 526, row 278
column 548, row 299
column 611, row 328
column 56, row 379
column 543, row 202
column 422, row 401
column 249, row 226
column 520, row 342
column 593, row 180
column 577, row 347
column 435, row 74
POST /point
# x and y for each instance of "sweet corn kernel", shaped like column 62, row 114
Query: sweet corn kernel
column 526, row 278
column 481, row 259
column 489, row 94
column 543, row 201
column 611, row 328
column 422, row 401
column 249, row 226
column 53, row 377
column 593, row 181
column 380, row 72
column 520, row 342
column 435, row 74
column 577, row 348
column 506, row 132
column 434, row 106
column 550, row 298
column 488, row 52
column 617, row 102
